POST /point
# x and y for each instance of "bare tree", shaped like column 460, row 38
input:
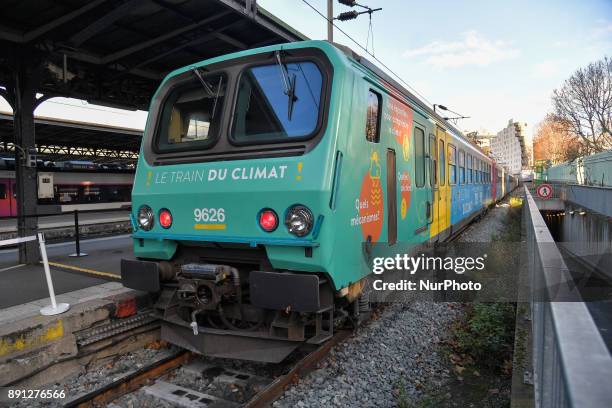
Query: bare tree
column 584, row 102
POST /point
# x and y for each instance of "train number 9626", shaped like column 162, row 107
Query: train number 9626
column 209, row 214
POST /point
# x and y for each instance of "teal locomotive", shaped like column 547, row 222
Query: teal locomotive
column 262, row 177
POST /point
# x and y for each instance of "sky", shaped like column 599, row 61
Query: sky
column 489, row 60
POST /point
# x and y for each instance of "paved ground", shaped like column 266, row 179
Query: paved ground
column 58, row 221
column 25, row 283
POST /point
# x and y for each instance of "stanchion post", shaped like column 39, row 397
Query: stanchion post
column 77, row 240
column 54, row 308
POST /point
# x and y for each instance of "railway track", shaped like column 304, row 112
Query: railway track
column 177, row 380
column 183, row 379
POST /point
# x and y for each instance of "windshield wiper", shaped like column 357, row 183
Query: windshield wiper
column 208, row 89
column 288, row 85
column 217, row 97
column 205, row 85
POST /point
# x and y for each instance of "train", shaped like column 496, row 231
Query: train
column 69, row 185
column 262, row 177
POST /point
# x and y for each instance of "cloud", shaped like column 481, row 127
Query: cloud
column 545, row 69
column 602, row 30
column 472, row 49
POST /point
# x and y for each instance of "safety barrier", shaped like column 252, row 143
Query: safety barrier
column 595, row 198
column 75, row 212
column 54, row 308
column 571, row 363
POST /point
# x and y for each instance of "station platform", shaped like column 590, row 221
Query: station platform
column 31, row 344
column 34, row 348
column 25, row 285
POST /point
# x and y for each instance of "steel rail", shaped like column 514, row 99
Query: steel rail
column 273, row 391
column 130, row 382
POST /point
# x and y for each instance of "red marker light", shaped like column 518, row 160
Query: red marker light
column 268, row 220
column 165, row 218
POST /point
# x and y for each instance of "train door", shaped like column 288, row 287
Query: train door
column 391, row 197
column 421, row 193
column 433, row 181
column 443, row 202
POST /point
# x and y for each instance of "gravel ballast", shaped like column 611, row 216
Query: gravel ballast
column 398, row 349
column 396, row 358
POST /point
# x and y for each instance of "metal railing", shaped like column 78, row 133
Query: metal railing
column 596, row 198
column 572, row 365
column 75, row 213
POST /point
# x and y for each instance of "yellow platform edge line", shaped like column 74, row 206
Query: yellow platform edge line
column 85, row 270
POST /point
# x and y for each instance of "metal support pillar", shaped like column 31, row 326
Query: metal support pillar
column 24, row 103
column 330, row 21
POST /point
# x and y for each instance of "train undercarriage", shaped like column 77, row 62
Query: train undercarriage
column 242, row 309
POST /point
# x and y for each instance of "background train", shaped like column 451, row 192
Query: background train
column 267, row 181
column 70, row 183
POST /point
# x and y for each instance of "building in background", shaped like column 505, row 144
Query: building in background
column 482, row 138
column 509, row 149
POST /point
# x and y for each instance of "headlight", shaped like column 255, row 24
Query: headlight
column 145, row 217
column 299, row 220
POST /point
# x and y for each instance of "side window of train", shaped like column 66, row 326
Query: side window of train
column 452, row 164
column 461, row 167
column 2, row 191
column 482, row 176
column 433, row 162
column 373, row 117
column 469, row 169
column 442, row 163
column 419, row 156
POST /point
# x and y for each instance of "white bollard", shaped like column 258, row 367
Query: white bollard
column 53, row 308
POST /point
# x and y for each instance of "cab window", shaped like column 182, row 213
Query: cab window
column 191, row 115
column 265, row 111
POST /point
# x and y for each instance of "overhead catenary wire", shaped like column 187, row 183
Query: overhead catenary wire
column 369, row 53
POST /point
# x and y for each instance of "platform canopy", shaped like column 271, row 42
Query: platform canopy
column 115, row 52
column 63, row 140
column 109, row 52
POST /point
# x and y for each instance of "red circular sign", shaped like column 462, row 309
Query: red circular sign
column 544, row 191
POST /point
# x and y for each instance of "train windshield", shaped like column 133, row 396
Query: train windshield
column 277, row 102
column 191, row 115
